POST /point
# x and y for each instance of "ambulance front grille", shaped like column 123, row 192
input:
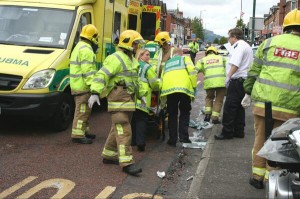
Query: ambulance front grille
column 9, row 82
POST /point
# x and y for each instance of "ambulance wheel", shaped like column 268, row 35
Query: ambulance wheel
column 64, row 114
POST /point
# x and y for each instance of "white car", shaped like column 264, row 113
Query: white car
column 222, row 50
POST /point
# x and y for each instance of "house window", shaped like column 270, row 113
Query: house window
column 293, row 5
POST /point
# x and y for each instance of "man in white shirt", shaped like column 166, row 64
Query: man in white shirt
column 233, row 119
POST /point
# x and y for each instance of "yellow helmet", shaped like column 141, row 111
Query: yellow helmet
column 213, row 49
column 128, row 37
column 292, row 19
column 162, row 38
column 90, row 32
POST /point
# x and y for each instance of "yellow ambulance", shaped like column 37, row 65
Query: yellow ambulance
column 36, row 40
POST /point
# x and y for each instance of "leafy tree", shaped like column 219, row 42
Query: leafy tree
column 197, row 27
column 240, row 24
column 223, row 40
column 216, row 41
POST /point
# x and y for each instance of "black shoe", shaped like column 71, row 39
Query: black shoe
column 187, row 140
column 239, row 135
column 171, row 143
column 258, row 184
column 215, row 122
column 222, row 137
column 133, row 144
column 91, row 136
column 141, row 147
column 108, row 161
column 84, row 140
column 207, row 118
column 132, row 170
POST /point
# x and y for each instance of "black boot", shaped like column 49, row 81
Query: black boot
column 207, row 118
column 258, row 184
column 141, row 148
column 132, row 170
column 84, row 140
column 91, row 136
column 108, row 161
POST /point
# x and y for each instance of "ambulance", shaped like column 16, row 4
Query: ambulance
column 36, row 41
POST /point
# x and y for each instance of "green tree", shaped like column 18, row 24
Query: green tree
column 197, row 27
column 240, row 24
column 216, row 41
column 223, row 40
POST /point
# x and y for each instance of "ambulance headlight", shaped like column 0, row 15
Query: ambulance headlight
column 40, row 79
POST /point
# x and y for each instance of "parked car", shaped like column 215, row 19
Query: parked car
column 222, row 50
column 185, row 49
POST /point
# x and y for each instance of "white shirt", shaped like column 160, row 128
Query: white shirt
column 242, row 57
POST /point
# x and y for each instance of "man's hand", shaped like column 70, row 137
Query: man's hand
column 227, row 82
column 246, row 101
column 92, row 100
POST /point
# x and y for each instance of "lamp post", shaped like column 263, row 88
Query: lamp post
column 253, row 22
column 201, row 22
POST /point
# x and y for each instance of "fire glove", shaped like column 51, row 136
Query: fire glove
column 92, row 100
column 246, row 101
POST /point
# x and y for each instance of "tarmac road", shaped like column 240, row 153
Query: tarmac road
column 37, row 163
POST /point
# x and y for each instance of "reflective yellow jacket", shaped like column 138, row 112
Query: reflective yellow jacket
column 118, row 77
column 179, row 76
column 213, row 68
column 82, row 68
column 149, row 82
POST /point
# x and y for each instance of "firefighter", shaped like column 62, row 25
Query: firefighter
column 179, row 81
column 213, row 67
column 82, row 70
column 150, row 82
column 119, row 78
column 194, row 48
column 165, row 52
column 274, row 76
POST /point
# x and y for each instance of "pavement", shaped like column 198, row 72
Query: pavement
column 225, row 166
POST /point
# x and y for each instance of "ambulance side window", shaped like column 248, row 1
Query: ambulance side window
column 85, row 19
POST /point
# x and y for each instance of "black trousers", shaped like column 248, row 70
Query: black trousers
column 139, row 127
column 233, row 112
column 183, row 102
column 193, row 56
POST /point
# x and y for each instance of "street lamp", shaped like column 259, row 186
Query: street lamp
column 201, row 15
column 253, row 22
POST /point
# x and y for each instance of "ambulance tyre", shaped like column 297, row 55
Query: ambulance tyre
column 64, row 114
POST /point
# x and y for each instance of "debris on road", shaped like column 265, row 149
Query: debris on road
column 161, row 174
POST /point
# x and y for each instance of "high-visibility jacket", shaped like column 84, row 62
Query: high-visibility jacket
column 152, row 47
column 213, row 67
column 179, row 76
column 119, row 70
column 275, row 76
column 149, row 82
column 82, row 68
column 194, row 47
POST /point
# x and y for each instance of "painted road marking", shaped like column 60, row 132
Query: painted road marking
column 63, row 186
column 106, row 192
column 17, row 186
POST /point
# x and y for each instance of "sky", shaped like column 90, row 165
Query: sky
column 221, row 15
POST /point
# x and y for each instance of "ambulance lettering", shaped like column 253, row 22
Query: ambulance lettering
column 282, row 52
column 14, row 61
column 212, row 61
